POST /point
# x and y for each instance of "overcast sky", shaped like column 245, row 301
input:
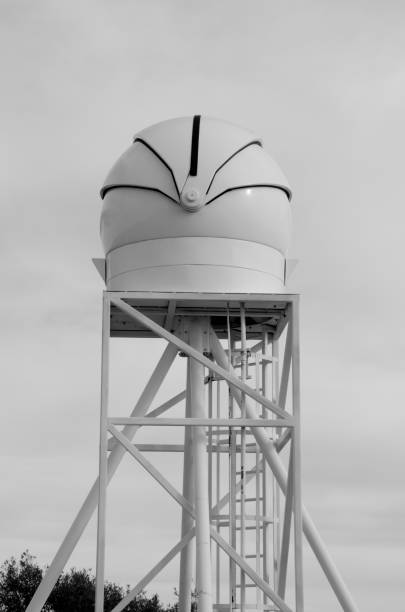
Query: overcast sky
column 323, row 83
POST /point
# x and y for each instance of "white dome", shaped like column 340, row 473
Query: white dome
column 196, row 204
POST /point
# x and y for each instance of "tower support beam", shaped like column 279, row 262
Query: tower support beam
column 103, row 465
column 187, row 521
column 201, row 490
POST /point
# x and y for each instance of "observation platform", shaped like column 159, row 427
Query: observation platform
column 264, row 312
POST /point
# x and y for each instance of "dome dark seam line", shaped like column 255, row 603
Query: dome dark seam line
column 124, row 186
column 251, row 187
column 254, row 142
column 161, row 159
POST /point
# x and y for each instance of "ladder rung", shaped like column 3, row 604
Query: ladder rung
column 250, row 499
column 252, row 527
column 248, row 517
column 266, row 607
column 239, row 472
column 252, row 556
column 239, row 365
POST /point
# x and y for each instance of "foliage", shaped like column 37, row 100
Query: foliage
column 175, row 607
column 74, row 591
column 18, row 582
column 141, row 603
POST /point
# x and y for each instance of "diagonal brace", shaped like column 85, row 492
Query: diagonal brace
column 90, row 503
column 285, row 542
column 155, row 571
column 147, row 465
column 191, row 352
column 258, row 580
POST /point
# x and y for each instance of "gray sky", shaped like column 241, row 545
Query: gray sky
column 323, row 83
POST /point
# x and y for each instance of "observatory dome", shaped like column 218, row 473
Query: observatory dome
column 196, row 205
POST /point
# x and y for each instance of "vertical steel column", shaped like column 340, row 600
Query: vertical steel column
column 103, row 476
column 232, row 508
column 232, row 481
column 259, row 536
column 210, row 439
column 201, row 496
column 187, row 521
column 243, row 359
column 275, row 486
column 218, row 496
column 296, row 457
column 266, row 387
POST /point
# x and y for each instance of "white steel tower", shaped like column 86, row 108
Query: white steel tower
column 196, row 228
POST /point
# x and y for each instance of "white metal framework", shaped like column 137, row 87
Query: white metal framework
column 241, row 497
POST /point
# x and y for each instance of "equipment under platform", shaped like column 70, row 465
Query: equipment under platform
column 264, row 312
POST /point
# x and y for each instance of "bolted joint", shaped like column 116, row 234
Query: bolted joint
column 192, row 199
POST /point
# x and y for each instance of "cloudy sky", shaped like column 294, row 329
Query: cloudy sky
column 323, row 83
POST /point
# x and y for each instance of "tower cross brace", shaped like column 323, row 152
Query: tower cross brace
column 239, row 502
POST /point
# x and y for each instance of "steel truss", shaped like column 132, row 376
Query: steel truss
column 242, row 411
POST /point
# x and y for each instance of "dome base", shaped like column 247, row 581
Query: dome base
column 191, row 265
